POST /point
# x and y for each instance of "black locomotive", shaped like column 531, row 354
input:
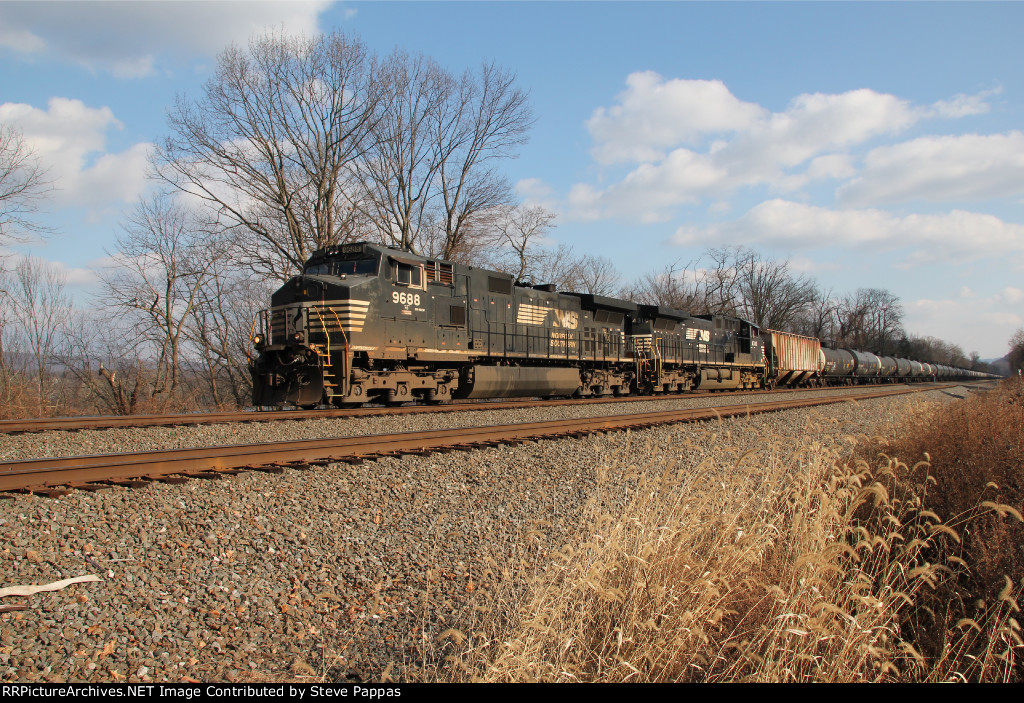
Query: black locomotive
column 364, row 323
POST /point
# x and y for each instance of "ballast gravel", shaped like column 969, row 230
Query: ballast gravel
column 328, row 574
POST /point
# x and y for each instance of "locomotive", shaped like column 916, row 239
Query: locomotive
column 366, row 323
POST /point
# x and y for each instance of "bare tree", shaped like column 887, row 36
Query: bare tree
column 885, row 320
column 41, row 308
column 518, row 244
column 271, row 142
column 558, row 265
column 737, row 281
column 871, row 319
column 819, row 317
column 23, row 183
column 219, row 331
column 720, row 281
column 486, row 119
column 398, row 176
column 428, row 182
column 103, row 356
column 597, row 275
column 674, row 286
column 772, row 296
column 165, row 256
column 1016, row 355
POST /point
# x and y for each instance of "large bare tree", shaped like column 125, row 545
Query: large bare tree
column 219, row 331
column 430, row 183
column 165, row 256
column 398, row 177
column 488, row 118
column 675, row 286
column 270, row 144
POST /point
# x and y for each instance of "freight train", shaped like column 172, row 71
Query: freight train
column 366, row 323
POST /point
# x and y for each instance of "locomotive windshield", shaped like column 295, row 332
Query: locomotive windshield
column 337, row 267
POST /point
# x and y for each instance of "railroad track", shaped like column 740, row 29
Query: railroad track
column 118, row 421
column 57, row 476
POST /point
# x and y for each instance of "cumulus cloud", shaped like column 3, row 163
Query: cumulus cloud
column 535, row 192
column 690, row 140
column 693, row 140
column 125, row 38
column 940, row 169
column 653, row 114
column 957, row 235
column 70, row 139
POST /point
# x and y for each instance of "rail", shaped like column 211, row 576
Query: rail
column 57, row 475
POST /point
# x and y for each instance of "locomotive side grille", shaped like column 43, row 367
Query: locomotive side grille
column 440, row 273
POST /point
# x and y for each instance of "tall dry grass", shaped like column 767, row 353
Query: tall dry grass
column 786, row 564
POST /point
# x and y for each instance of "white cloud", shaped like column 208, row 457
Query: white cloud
column 20, row 40
column 690, row 140
column 70, row 139
column 1012, row 296
column 940, row 169
column 654, row 114
column 657, row 123
column 534, row 191
column 126, row 37
column 965, row 105
column 957, row 235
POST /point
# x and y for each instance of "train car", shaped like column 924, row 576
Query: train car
column 365, row 323
column 792, row 359
column 867, row 366
column 887, row 372
column 839, row 367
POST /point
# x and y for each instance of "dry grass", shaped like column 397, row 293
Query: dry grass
column 785, row 565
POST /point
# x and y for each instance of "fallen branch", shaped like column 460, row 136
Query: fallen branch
column 55, row 586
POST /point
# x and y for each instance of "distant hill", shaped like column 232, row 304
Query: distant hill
column 1000, row 366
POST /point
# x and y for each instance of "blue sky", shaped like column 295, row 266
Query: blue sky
column 872, row 144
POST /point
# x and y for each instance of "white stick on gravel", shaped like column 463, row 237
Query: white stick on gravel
column 55, row 586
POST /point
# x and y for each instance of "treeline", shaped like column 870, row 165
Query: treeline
column 296, row 144
column 745, row 283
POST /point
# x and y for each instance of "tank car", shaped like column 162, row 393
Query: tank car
column 365, row 323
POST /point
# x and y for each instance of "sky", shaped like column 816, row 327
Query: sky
column 873, row 145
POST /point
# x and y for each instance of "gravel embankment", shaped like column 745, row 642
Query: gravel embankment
column 328, row 573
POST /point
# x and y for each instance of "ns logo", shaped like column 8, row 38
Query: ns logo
column 569, row 319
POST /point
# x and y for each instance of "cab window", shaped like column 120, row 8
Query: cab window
column 407, row 274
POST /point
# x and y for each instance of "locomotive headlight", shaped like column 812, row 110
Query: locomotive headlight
column 297, row 336
column 257, row 340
